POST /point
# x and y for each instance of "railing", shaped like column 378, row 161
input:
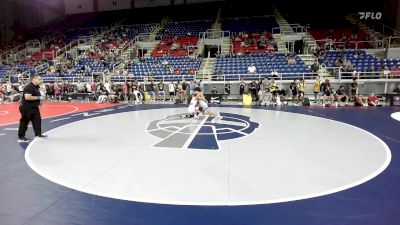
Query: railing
column 147, row 79
column 69, row 79
column 66, row 48
column 214, row 34
column 331, row 45
column 297, row 28
column 393, row 42
column 41, row 67
column 145, row 37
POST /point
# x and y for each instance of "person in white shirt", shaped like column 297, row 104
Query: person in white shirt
column 171, row 90
column 107, row 86
column 251, row 69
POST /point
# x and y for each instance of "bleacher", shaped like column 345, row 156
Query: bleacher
column 135, row 29
column 253, row 43
column 175, row 47
column 153, row 68
column 249, row 24
column 232, row 67
column 361, row 62
column 189, row 28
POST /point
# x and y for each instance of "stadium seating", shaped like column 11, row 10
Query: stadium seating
column 249, row 24
column 153, row 67
column 361, row 62
column 178, row 29
column 264, row 63
column 175, row 47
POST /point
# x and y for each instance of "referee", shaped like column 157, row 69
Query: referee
column 29, row 109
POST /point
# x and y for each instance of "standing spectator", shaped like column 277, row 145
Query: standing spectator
column 294, row 86
column 242, row 86
column 161, row 91
column 171, row 90
column 201, row 85
column 227, row 89
column 152, row 91
column 253, row 90
column 354, row 88
column 302, row 89
column 2, row 93
column 317, row 89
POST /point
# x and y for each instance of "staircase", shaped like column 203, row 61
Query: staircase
column 285, row 29
column 309, row 43
column 206, row 69
column 226, row 46
column 308, row 59
column 150, row 50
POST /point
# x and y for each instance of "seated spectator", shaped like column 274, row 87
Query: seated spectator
column 291, row 60
column 215, row 98
column 373, row 100
column 251, row 69
column 274, row 73
column 327, row 92
column 360, row 100
column 397, row 90
column 315, row 66
column 341, row 96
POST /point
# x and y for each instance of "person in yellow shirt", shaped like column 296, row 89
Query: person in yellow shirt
column 317, row 88
column 302, row 89
column 272, row 86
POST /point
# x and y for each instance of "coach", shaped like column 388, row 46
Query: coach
column 29, row 109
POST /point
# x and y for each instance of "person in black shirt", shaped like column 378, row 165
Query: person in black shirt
column 253, row 89
column 29, row 109
column 227, row 90
column 161, row 92
column 242, row 86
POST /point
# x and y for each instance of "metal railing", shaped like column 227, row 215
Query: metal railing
column 296, row 28
column 148, row 79
column 214, row 34
column 331, row 45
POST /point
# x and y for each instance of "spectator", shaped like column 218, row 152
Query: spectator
column 317, row 89
column 360, row 100
column 291, row 60
column 341, row 96
column 327, row 92
column 373, row 100
column 274, row 73
column 397, row 90
column 354, row 88
column 251, row 69
column 315, row 66
column 302, row 89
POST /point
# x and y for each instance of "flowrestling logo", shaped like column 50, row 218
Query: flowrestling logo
column 370, row 15
column 176, row 131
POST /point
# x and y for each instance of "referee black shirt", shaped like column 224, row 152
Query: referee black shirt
column 34, row 91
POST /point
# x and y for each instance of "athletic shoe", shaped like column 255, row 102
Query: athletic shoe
column 24, row 140
column 196, row 117
column 41, row 136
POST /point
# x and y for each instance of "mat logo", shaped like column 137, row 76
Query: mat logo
column 370, row 15
column 204, row 133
